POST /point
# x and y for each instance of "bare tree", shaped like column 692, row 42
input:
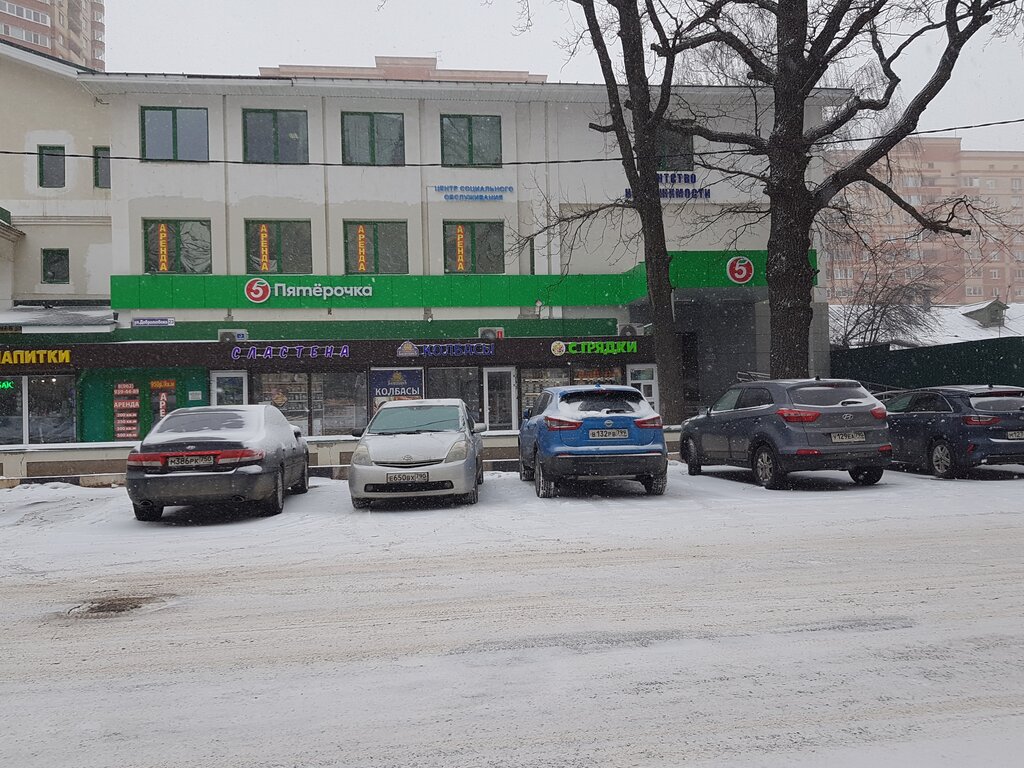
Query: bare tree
column 784, row 51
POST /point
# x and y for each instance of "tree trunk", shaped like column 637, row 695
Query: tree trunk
column 790, row 276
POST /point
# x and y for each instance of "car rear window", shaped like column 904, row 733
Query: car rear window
column 820, row 394
column 209, row 421
column 998, row 402
column 602, row 402
column 415, row 418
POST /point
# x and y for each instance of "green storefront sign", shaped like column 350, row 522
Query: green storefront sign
column 689, row 269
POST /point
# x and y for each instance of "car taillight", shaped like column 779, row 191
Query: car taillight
column 879, row 412
column 239, row 456
column 557, row 424
column 887, row 448
column 151, row 460
column 797, row 416
column 651, row 422
column 980, row 421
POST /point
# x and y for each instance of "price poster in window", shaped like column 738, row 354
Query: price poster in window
column 126, row 411
column 163, row 397
column 395, row 384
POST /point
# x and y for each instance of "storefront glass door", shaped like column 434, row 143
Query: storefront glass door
column 229, row 388
column 500, row 398
column 644, row 378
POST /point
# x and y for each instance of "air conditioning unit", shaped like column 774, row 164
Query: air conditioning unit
column 630, row 329
column 490, row 334
column 231, row 335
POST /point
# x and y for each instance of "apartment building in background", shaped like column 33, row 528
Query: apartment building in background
column 71, row 30
column 988, row 264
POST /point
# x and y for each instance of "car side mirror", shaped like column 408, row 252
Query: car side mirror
column 526, row 414
column 479, row 428
column 358, row 432
column 704, row 411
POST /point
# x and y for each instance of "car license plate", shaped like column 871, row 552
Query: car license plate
column 407, row 477
column 187, row 462
column 1019, row 435
column 608, row 434
column 847, row 437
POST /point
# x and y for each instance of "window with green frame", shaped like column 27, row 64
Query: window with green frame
column 474, row 247
column 177, row 246
column 372, row 138
column 56, row 266
column 274, row 136
column 377, row 247
column 471, row 140
column 101, row 167
column 52, row 172
column 280, row 247
column 175, row 133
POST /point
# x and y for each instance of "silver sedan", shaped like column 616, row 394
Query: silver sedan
column 417, row 448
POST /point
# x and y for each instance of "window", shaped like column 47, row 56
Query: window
column 279, row 246
column 842, row 273
column 727, row 401
column 274, row 136
column 911, row 181
column 50, row 415
column 101, row 167
column 990, row 183
column 1019, row 274
column 975, row 290
column 474, row 247
column 929, row 402
column 971, row 181
column 56, row 266
column 24, row 34
column 995, row 256
column 995, row 293
column 372, row 138
column 471, row 140
column 462, row 383
column 1016, row 184
column 675, row 148
column 25, row 13
column 51, row 166
column 177, row 246
column 755, row 397
column 378, row 247
column 994, row 274
column 175, row 133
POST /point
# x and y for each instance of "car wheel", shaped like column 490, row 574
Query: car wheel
column 545, row 488
column 360, row 503
column 766, row 468
column 470, row 498
column 148, row 514
column 655, row 484
column 274, row 503
column 866, row 475
column 303, row 485
column 693, row 466
column 525, row 472
column 941, row 461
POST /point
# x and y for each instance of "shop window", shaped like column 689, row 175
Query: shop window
column 535, row 380
column 377, row 247
column 50, row 416
column 12, row 417
column 597, row 375
column 372, row 138
column 675, row 147
column 461, row 383
column 339, row 402
column 474, row 247
column 471, row 140
column 275, row 136
column 56, row 266
column 177, row 246
column 284, row 247
column 52, row 171
column 101, row 167
column 175, row 133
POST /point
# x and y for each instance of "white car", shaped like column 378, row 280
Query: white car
column 417, row 448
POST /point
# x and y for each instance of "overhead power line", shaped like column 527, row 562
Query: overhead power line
column 517, row 163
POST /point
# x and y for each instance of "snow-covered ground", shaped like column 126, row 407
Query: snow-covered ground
column 719, row 625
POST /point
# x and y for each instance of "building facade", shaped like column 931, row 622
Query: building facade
column 325, row 243
column 989, row 264
column 72, row 30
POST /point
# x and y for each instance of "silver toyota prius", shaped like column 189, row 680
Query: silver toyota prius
column 417, row 448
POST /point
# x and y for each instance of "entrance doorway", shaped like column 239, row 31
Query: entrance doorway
column 229, row 388
column 645, row 378
column 500, row 398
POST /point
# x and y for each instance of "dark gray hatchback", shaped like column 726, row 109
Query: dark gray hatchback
column 789, row 425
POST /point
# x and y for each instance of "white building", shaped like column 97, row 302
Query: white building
column 297, row 228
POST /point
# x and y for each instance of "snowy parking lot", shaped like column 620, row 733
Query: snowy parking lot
column 719, row 625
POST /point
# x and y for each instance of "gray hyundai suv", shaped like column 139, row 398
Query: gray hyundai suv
column 790, row 425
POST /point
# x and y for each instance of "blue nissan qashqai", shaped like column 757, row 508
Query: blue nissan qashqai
column 592, row 431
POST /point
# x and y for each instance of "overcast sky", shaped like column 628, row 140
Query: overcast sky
column 237, row 37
